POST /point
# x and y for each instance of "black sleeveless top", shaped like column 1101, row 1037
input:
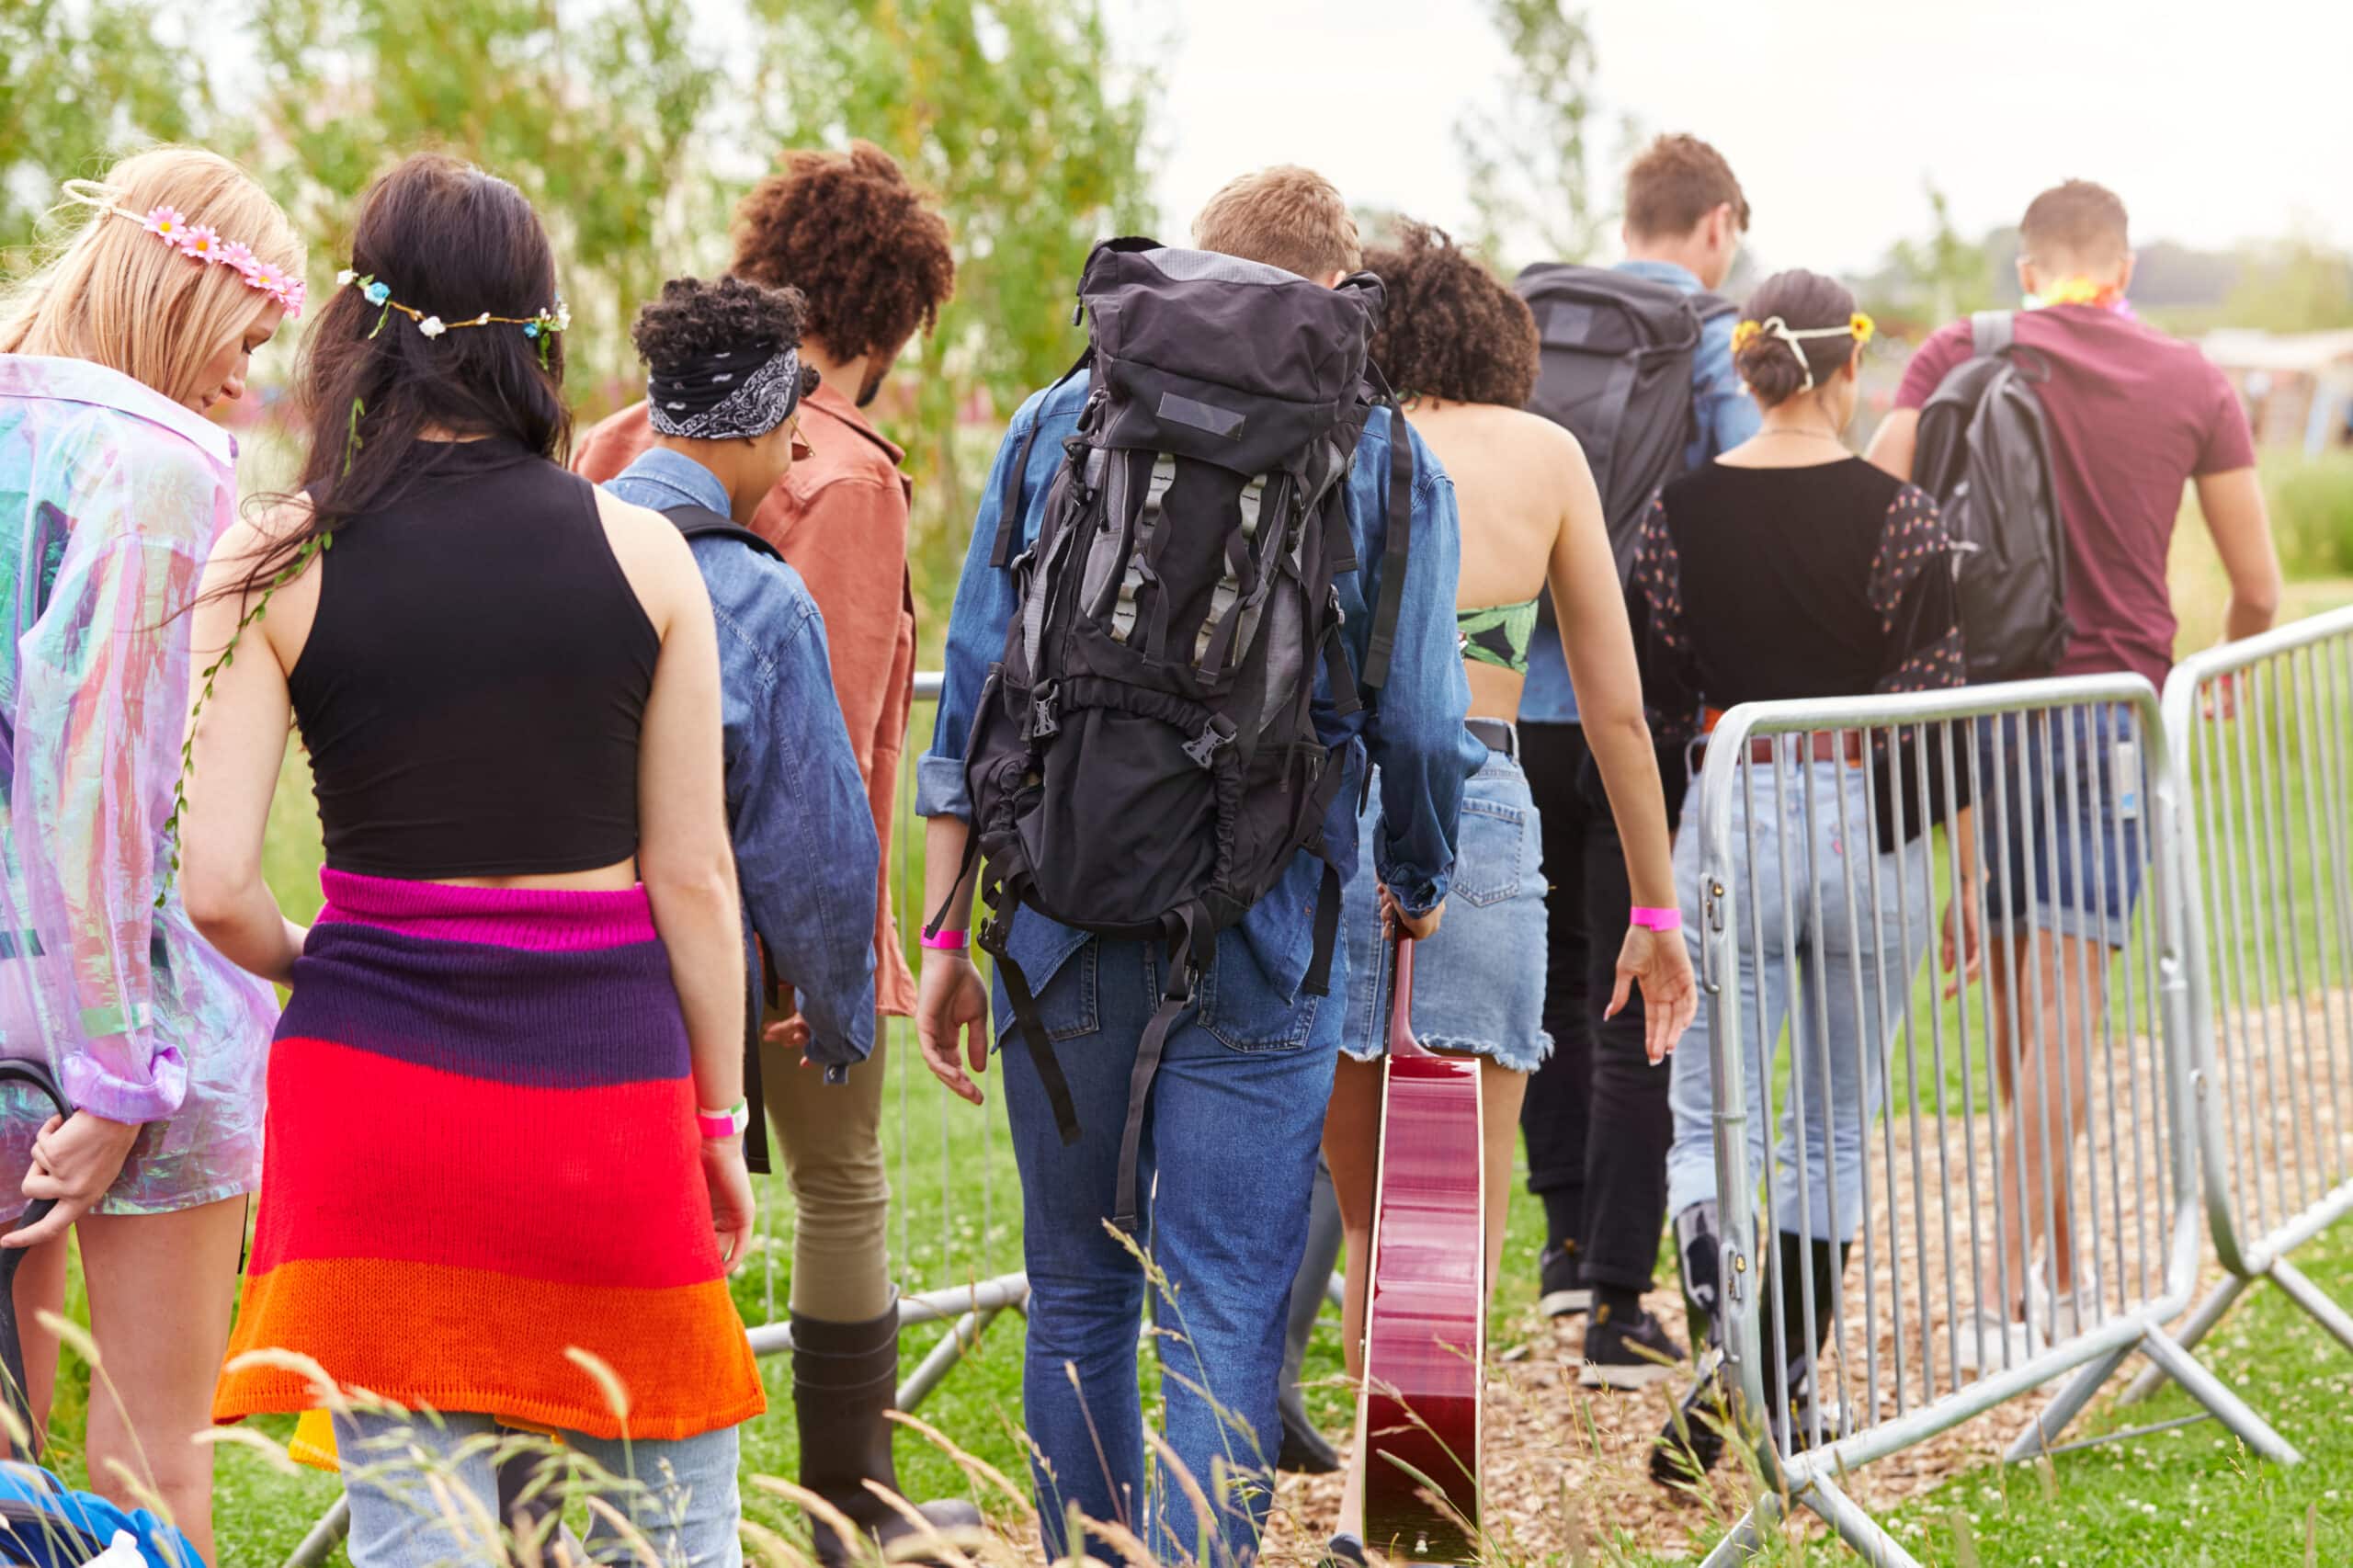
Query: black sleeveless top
column 474, row 686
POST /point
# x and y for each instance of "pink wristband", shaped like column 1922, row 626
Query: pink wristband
column 1657, row 919
column 946, row 941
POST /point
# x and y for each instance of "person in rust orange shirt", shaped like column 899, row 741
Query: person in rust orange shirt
column 872, row 257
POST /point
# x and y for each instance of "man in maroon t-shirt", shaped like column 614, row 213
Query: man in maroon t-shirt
column 2134, row 415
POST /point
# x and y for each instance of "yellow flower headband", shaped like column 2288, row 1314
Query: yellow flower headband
column 1857, row 327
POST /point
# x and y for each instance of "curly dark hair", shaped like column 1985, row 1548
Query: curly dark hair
column 1451, row 328
column 865, row 247
column 1803, row 301
column 697, row 316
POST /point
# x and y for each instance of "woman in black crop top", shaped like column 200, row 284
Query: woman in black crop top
column 506, row 1093
column 1790, row 568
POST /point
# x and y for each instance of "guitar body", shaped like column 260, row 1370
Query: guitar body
column 1425, row 1314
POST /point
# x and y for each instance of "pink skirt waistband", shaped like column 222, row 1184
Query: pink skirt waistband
column 534, row 919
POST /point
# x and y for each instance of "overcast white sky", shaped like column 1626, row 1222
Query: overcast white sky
column 2215, row 122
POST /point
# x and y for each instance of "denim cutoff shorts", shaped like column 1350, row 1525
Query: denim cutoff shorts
column 1479, row 984
column 2062, row 808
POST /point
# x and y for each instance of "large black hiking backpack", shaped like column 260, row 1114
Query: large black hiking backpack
column 1144, row 764
column 1616, row 373
column 1982, row 450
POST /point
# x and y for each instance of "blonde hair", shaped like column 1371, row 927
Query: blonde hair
column 1286, row 217
column 117, row 295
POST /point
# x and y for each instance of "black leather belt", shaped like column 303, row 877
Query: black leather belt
column 1499, row 736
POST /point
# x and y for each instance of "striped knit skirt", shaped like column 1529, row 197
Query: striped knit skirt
column 480, row 1155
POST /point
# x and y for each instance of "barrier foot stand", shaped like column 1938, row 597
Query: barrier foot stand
column 2196, row 1327
column 1745, row 1539
column 2313, row 1300
column 961, row 1336
column 2208, row 1391
column 2055, row 1417
column 1852, row 1521
column 325, row 1537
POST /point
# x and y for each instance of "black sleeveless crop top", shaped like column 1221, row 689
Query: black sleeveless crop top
column 474, row 683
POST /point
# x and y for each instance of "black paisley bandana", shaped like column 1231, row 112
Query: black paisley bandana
column 744, row 392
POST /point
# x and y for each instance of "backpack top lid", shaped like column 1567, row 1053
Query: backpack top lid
column 1608, row 312
column 1221, row 359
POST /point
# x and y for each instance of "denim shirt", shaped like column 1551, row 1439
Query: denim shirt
column 806, row 856
column 1726, row 416
column 1416, row 733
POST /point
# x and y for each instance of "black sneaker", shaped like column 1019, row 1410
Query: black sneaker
column 1561, row 1278
column 1694, row 1438
column 1629, row 1353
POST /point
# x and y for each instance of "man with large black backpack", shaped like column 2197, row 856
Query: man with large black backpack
column 1637, row 364
column 1210, row 572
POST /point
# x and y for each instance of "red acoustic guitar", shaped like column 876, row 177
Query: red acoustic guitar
column 1425, row 1318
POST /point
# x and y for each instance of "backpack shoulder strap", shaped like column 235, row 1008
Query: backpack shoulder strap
column 1395, row 548
column 697, row 522
column 1991, row 332
column 1009, row 507
column 1710, row 305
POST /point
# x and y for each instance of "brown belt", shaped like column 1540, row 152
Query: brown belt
column 1822, row 745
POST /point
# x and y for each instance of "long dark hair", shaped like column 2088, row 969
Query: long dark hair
column 449, row 241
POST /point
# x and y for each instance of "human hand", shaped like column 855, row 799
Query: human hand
column 1661, row 964
column 733, row 1208
column 75, row 1159
column 792, row 1033
column 1963, row 944
column 951, row 1000
column 1396, row 921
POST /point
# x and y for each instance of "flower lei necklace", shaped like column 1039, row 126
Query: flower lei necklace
column 198, row 241
column 2078, row 291
column 540, row 328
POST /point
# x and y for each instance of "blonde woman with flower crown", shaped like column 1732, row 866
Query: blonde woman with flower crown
column 114, row 487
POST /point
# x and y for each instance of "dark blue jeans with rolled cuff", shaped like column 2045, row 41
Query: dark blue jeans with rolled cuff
column 1230, row 1132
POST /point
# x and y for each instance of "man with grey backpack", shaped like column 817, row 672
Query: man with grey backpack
column 1211, row 578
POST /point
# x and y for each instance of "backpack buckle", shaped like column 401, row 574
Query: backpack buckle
column 1045, row 713
column 1203, row 748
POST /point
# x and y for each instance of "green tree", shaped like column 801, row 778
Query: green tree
column 1933, row 280
column 1016, row 115
column 593, row 108
column 80, row 80
column 1525, row 157
column 2293, row 285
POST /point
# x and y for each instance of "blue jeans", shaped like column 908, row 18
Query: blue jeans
column 2062, row 812
column 1815, row 901
column 680, row 1496
column 1227, row 1163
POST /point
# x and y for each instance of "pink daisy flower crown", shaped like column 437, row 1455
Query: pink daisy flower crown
column 199, row 243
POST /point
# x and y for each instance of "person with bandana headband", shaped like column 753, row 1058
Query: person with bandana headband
column 725, row 395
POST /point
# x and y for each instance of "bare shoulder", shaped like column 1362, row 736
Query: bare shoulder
column 1548, row 441
column 259, row 537
column 653, row 555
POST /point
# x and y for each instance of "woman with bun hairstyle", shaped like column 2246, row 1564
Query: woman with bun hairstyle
column 505, row 1175
column 1790, row 568
column 115, row 487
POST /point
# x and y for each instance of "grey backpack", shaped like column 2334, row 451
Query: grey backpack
column 1984, row 451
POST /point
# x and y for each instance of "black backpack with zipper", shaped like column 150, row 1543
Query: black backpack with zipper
column 1615, row 372
column 1984, row 451
column 1143, row 762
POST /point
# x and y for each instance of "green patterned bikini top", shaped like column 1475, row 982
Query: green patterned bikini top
column 1498, row 634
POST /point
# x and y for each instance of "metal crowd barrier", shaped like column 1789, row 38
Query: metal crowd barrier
column 2260, row 729
column 1945, row 1205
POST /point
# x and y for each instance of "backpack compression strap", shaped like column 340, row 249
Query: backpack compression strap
column 1394, row 548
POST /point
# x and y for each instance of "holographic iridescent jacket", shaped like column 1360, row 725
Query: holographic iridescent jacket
column 112, row 496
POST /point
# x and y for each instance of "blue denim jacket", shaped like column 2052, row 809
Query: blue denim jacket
column 1726, row 414
column 1416, row 734
column 806, row 856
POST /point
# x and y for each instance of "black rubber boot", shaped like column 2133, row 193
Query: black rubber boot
column 1803, row 1335
column 1694, row 1439
column 844, row 1377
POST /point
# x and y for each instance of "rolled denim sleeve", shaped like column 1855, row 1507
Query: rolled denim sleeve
column 986, row 604
column 805, row 848
column 1416, row 736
